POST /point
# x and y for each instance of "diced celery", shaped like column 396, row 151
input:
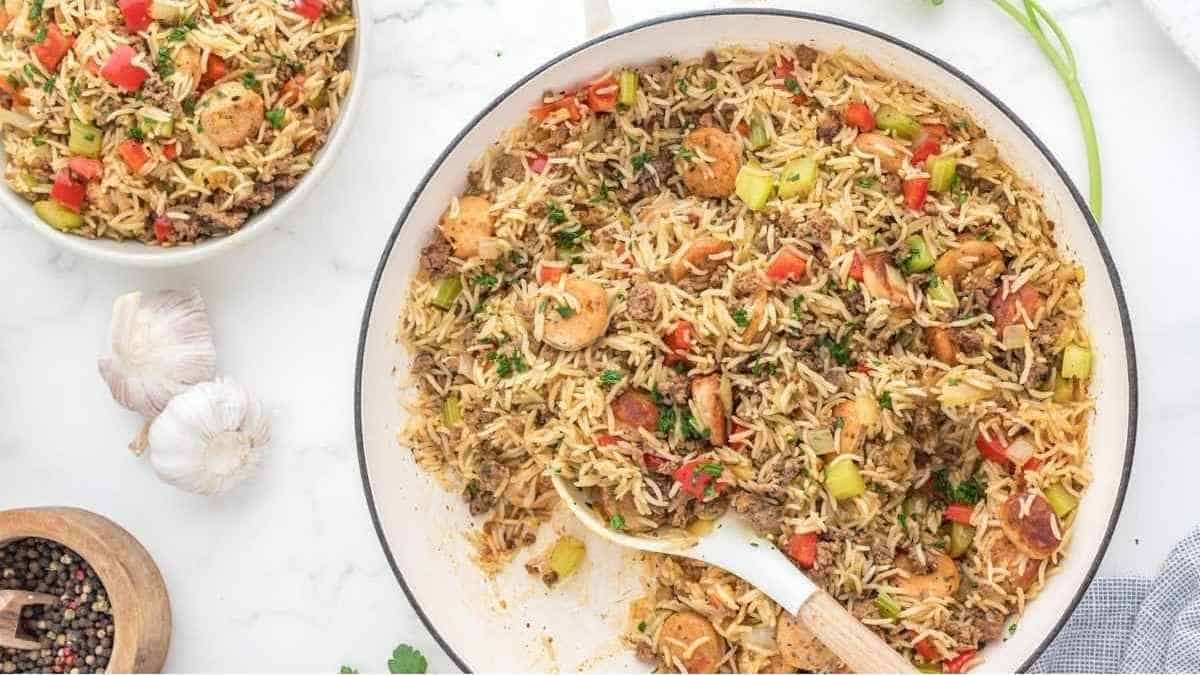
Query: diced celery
column 923, row 667
column 961, row 537
column 758, row 134
column 158, row 128
column 941, row 291
column 843, row 480
column 754, row 186
column 447, row 292
column 627, row 88
column 566, row 555
column 1064, row 389
column 57, row 216
column 799, row 177
column 941, row 172
column 1076, row 362
column 452, row 411
column 1061, row 501
column 84, row 139
column 888, row 608
column 919, row 257
column 890, row 119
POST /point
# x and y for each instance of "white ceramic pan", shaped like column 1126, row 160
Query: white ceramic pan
column 513, row 623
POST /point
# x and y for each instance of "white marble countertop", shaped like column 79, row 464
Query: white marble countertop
column 285, row 574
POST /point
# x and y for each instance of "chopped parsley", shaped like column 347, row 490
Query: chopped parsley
column 885, row 400
column 970, row 491
column 275, row 117
column 163, row 65
column 682, row 85
column 685, row 152
column 249, row 81
column 840, row 351
column 740, row 317
column 48, row 85
column 486, row 280
column 136, row 133
column 610, row 377
column 692, row 431
column 617, row 522
column 902, row 518
column 564, row 311
column 798, row 306
column 40, row 36
column 960, row 124
column 39, row 140
column 602, row 195
column 865, row 183
column 639, row 160
column 35, row 9
column 792, row 85
column 714, row 470
column 507, row 365
column 569, row 240
column 761, row 368
column 555, row 214
column 666, row 418
column 641, row 626
column 177, row 34
column 188, row 104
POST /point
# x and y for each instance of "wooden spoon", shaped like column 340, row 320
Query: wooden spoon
column 736, row 548
column 11, row 604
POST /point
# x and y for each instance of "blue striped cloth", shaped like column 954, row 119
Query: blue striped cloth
column 1134, row 625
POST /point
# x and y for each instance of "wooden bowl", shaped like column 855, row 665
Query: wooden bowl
column 140, row 607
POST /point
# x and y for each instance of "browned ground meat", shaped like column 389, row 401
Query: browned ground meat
column 828, row 126
column 493, row 476
column 892, row 184
column 507, row 166
column 673, row 387
column 479, row 501
column 828, row 553
column 747, row 283
column 806, row 56
column 212, row 220
column 262, row 196
column 1012, row 214
column 423, row 363
column 642, row 303
column 975, row 626
column 764, row 514
column 969, row 341
column 435, row 257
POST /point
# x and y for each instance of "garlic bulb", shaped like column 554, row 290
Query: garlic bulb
column 209, row 438
column 161, row 344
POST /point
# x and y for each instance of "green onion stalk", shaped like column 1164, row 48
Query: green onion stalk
column 1063, row 60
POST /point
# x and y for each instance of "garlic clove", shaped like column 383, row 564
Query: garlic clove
column 161, row 344
column 209, row 438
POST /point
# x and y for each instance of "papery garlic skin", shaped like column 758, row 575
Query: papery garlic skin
column 161, row 344
column 209, row 438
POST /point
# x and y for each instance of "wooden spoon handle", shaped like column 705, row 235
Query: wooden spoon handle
column 11, row 604
column 848, row 638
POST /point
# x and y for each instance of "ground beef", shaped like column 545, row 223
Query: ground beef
column 479, row 501
column 537, row 209
column 882, row 553
column 828, row 126
column 747, row 283
column 645, row 653
column 828, row 553
column 493, row 476
column 975, row 627
column 263, row 196
column 710, row 60
column 548, row 140
column 806, row 56
column 1012, row 215
column 892, row 184
column 969, row 341
column 589, row 217
column 764, row 514
column 673, row 387
column 423, row 363
column 785, row 472
column 213, row 220
column 1039, row 372
column 642, row 303
column 507, row 166
column 820, row 223
column 435, row 257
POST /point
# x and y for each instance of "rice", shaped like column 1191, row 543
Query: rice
column 706, row 381
column 265, row 77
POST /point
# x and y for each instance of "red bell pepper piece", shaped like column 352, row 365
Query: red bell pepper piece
column 1032, row 465
column 994, row 448
column 133, row 153
column 803, row 549
column 856, row 267
column 84, row 167
column 652, row 461
column 607, row 439
column 119, row 69
column 602, row 95
column 136, row 13
column 214, row 70
column 680, row 341
column 549, row 273
column 309, row 9
column 537, row 163
column 170, row 150
column 928, row 142
column 959, row 663
column 18, row 98
column 915, row 192
column 959, row 513
column 858, row 115
column 695, row 481
column 50, row 52
column 567, row 102
column 927, row 651
column 784, row 68
column 163, row 228
column 787, row 264
column 68, row 191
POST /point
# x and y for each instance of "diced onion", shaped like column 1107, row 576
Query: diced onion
column 1020, row 451
column 16, row 119
column 761, row 636
column 821, row 441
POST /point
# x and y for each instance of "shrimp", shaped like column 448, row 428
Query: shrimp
column 884, row 281
column 856, row 417
column 716, row 178
column 472, row 225
column 941, row 580
column 588, row 322
column 888, row 151
column 699, row 254
column 941, row 341
column 968, row 255
column 706, row 393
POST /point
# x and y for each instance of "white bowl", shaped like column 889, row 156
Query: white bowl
column 515, row 624
column 137, row 254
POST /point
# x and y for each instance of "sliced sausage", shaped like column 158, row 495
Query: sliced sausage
column 693, row 640
column 1033, row 529
column 230, row 114
column 706, row 393
column 471, row 226
column 718, row 177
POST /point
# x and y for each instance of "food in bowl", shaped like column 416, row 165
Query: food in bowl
column 783, row 283
column 166, row 121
